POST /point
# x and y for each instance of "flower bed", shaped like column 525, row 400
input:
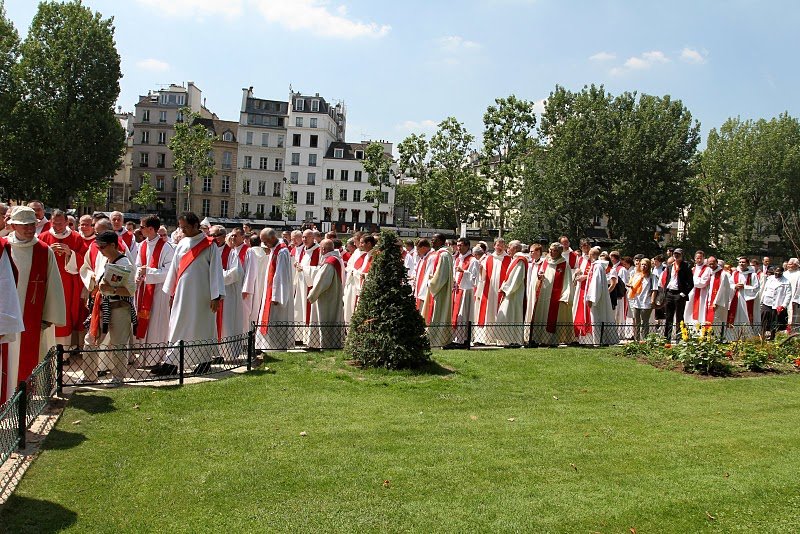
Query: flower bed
column 703, row 353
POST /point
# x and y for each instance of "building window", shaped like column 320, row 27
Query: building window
column 329, row 174
column 159, row 183
column 368, row 217
column 144, row 159
column 338, row 153
column 187, row 182
column 207, row 184
column 227, row 136
column 311, row 179
column 382, row 217
column 260, row 211
column 263, row 163
column 276, row 189
column 275, row 213
column 206, row 211
column 343, row 176
column 299, row 104
column 295, row 158
column 359, row 154
column 186, row 204
column 142, row 181
column 357, row 195
column 161, row 160
column 226, row 184
column 227, row 160
column 162, row 138
column 312, row 160
column 354, row 215
column 245, row 187
column 179, row 116
column 278, row 164
column 314, row 141
column 315, row 105
column 248, row 138
column 145, row 137
column 245, row 211
column 298, row 122
column 146, row 115
column 342, row 213
column 293, row 177
column 356, row 176
column 310, row 197
column 296, row 139
column 262, row 188
column 312, row 122
column 162, row 116
column 309, row 216
column 280, row 141
column 328, row 193
column 292, row 216
column 294, row 197
column 248, row 162
column 223, row 208
column 326, row 214
column 385, row 197
column 343, row 194
column 264, row 139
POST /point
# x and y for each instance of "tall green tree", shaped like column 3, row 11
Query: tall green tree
column 456, row 190
column 9, row 94
column 378, row 166
column 414, row 163
column 509, row 136
column 191, row 154
column 68, row 138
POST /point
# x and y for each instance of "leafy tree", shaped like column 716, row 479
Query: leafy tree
column 454, row 189
column 288, row 207
column 378, row 166
column 386, row 329
column 191, row 152
column 68, row 138
column 530, row 223
column 406, row 197
column 147, row 195
column 414, row 164
column 9, row 95
column 509, row 136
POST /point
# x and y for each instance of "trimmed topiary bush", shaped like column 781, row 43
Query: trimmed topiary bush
column 386, row 329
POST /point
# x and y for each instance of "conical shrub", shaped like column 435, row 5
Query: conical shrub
column 386, row 329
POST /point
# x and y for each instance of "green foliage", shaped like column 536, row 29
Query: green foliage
column 414, row 164
column 9, row 95
column 191, row 150
column 147, row 195
column 509, row 136
column 65, row 137
column 378, row 166
column 386, row 328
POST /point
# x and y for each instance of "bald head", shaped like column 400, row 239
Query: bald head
column 102, row 225
column 326, row 245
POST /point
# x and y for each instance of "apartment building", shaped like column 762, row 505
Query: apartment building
column 212, row 196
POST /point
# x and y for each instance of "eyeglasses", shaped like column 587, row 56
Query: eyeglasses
column 218, row 235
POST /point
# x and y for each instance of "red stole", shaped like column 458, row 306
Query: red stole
column 458, row 293
column 45, row 228
column 226, row 253
column 32, row 313
column 273, row 265
column 710, row 302
column 735, row 301
column 126, row 238
column 337, row 266
column 313, row 263
column 145, row 293
column 696, row 298
column 555, row 297
column 72, row 283
column 583, row 315
column 188, row 258
column 505, row 262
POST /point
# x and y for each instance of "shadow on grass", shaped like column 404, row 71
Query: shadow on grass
column 432, row 368
column 22, row 514
column 61, row 440
column 268, row 358
column 93, row 404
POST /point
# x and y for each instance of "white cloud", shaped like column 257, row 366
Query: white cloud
column 690, row 55
column 153, row 65
column 196, row 8
column 426, row 124
column 315, row 17
column 644, row 61
column 655, row 56
column 456, row 43
column 602, row 56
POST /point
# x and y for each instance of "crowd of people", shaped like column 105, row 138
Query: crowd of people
column 100, row 282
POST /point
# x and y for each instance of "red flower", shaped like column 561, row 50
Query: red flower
column 669, row 346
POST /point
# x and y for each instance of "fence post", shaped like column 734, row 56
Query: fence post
column 251, row 347
column 180, row 362
column 602, row 332
column 469, row 335
column 23, row 414
column 60, row 370
column 722, row 333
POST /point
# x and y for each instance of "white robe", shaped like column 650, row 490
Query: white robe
column 742, row 326
column 484, row 333
column 351, row 287
column 54, row 310
column 10, row 313
column 254, row 278
column 279, row 335
column 511, row 312
column 534, row 266
column 466, row 282
column 326, row 304
column 158, row 325
column 721, row 301
column 700, row 275
column 438, row 306
column 562, row 331
column 233, row 310
column 191, row 318
column 601, row 312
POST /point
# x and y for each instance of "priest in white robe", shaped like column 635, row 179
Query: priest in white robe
column 552, row 315
column 326, row 300
column 351, row 283
column 195, row 285
column 40, row 296
column 153, row 262
column 487, row 298
column 745, row 287
column 536, row 266
column 694, row 313
column 254, row 278
column 719, row 296
column 232, row 321
column 11, row 324
column 362, row 266
column 275, row 331
column 511, row 311
column 467, row 272
column 420, row 280
column 601, row 324
column 438, row 305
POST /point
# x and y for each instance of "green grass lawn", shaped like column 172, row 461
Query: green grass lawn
column 566, row 440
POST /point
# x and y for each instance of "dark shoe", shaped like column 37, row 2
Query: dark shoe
column 167, row 369
column 514, row 346
column 156, row 368
column 452, row 346
column 202, row 368
column 219, row 360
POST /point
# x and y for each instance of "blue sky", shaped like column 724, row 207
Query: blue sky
column 402, row 67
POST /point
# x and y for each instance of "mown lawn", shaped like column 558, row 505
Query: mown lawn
column 565, row 440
